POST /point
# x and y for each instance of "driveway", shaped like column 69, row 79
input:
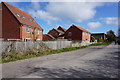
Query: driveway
column 92, row 62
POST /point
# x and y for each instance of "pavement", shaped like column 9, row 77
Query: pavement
column 91, row 62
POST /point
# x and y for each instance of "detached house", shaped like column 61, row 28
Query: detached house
column 55, row 34
column 48, row 37
column 77, row 33
column 98, row 35
column 19, row 25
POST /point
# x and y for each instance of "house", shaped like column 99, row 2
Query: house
column 57, row 33
column 19, row 25
column 77, row 33
column 61, row 29
column 48, row 37
column 98, row 35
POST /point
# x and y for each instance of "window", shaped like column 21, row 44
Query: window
column 31, row 20
column 38, row 31
column 27, row 29
column 27, row 39
column 18, row 15
column 86, row 34
column 69, row 33
column 23, row 17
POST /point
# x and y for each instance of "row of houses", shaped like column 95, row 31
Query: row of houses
column 72, row 33
column 19, row 25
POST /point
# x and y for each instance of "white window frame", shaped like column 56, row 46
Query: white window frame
column 38, row 31
column 28, row 29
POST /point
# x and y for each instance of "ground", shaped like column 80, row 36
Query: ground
column 92, row 62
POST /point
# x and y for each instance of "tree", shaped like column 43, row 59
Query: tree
column 111, row 35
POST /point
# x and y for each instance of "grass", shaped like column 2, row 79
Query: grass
column 51, row 52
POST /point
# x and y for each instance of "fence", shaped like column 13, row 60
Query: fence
column 24, row 46
column 58, row 44
column 21, row 46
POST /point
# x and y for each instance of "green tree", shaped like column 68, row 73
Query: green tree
column 111, row 35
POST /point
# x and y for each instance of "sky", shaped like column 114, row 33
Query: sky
column 96, row 17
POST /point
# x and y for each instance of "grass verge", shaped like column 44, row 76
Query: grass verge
column 51, row 52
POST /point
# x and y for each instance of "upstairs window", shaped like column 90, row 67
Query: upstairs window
column 69, row 33
column 27, row 29
column 38, row 31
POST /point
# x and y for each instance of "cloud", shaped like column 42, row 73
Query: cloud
column 74, row 0
column 35, row 5
column 111, row 20
column 40, row 14
column 94, row 25
column 71, row 11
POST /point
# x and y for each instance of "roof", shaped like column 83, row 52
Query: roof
column 21, row 16
column 80, row 28
column 50, row 35
column 98, row 34
column 59, row 31
column 62, row 28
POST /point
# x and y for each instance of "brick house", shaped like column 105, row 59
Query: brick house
column 77, row 33
column 98, row 35
column 57, row 33
column 19, row 25
column 61, row 29
column 48, row 37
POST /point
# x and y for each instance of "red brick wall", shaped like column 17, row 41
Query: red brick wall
column 12, row 29
column 86, row 36
column 30, row 35
column 76, row 34
column 10, row 26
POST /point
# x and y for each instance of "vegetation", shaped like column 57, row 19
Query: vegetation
column 37, row 53
column 111, row 36
column 53, row 39
column 98, row 39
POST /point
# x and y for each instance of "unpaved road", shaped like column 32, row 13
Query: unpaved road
column 95, row 62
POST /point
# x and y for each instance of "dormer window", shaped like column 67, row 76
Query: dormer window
column 18, row 15
column 23, row 17
column 31, row 20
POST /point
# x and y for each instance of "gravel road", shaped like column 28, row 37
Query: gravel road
column 92, row 62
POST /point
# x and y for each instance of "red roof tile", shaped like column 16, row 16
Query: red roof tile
column 80, row 28
column 22, row 14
